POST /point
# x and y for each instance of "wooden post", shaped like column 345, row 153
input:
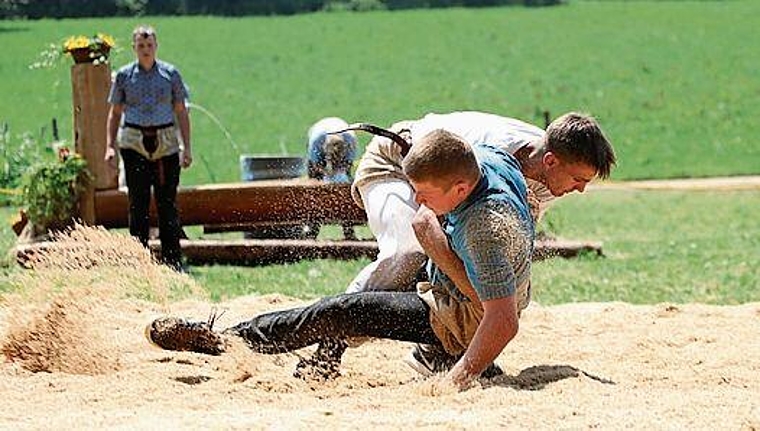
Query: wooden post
column 90, row 85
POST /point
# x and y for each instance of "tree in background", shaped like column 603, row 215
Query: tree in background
column 36, row 9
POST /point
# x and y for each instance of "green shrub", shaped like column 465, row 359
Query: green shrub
column 15, row 159
column 36, row 9
column 51, row 190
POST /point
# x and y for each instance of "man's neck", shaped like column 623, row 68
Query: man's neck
column 145, row 65
column 530, row 158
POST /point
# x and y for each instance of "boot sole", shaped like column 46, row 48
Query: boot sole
column 412, row 362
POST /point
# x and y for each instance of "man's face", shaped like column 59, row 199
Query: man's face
column 563, row 177
column 439, row 198
column 145, row 48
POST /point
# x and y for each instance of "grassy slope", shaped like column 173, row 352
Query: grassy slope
column 659, row 247
column 673, row 82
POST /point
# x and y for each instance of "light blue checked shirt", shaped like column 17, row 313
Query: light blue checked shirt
column 492, row 231
column 148, row 96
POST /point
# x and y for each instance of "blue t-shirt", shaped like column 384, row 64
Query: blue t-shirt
column 492, row 231
column 148, row 96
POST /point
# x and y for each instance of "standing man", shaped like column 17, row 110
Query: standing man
column 482, row 196
column 564, row 158
column 153, row 140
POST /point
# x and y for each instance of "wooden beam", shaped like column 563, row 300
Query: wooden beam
column 249, row 252
column 252, row 252
column 546, row 248
column 301, row 200
column 90, row 85
column 247, row 227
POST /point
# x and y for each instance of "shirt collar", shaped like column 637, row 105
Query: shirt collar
column 478, row 190
column 138, row 69
column 158, row 67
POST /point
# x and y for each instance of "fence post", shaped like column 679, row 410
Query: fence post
column 90, row 85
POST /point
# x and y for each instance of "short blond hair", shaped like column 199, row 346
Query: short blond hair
column 144, row 31
column 442, row 157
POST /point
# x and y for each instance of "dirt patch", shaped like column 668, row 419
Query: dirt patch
column 749, row 182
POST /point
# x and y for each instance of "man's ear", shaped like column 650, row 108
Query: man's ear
column 462, row 189
column 551, row 160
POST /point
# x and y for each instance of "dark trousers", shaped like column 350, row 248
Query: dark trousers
column 162, row 176
column 402, row 316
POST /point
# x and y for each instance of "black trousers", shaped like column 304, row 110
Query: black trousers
column 162, row 176
column 402, row 316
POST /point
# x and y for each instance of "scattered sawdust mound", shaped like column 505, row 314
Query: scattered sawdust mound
column 58, row 316
column 573, row 366
column 60, row 335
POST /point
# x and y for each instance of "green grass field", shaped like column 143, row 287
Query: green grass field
column 659, row 246
column 675, row 247
column 673, row 83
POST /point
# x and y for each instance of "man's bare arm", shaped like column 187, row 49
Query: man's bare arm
column 433, row 240
column 183, row 118
column 498, row 327
column 112, row 127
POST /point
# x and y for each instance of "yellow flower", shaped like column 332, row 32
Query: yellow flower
column 94, row 43
column 76, row 42
column 107, row 39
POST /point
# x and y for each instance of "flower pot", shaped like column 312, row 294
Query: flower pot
column 89, row 54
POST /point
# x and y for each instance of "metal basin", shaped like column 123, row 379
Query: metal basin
column 263, row 167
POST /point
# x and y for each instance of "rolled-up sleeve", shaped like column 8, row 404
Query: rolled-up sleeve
column 117, row 96
column 179, row 90
column 496, row 246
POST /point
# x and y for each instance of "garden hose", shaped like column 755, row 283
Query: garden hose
column 370, row 128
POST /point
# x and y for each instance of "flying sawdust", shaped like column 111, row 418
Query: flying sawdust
column 62, row 307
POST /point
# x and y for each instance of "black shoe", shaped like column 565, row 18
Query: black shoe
column 492, row 371
column 173, row 333
column 429, row 360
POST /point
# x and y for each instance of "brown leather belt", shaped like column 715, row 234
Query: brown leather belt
column 148, row 128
